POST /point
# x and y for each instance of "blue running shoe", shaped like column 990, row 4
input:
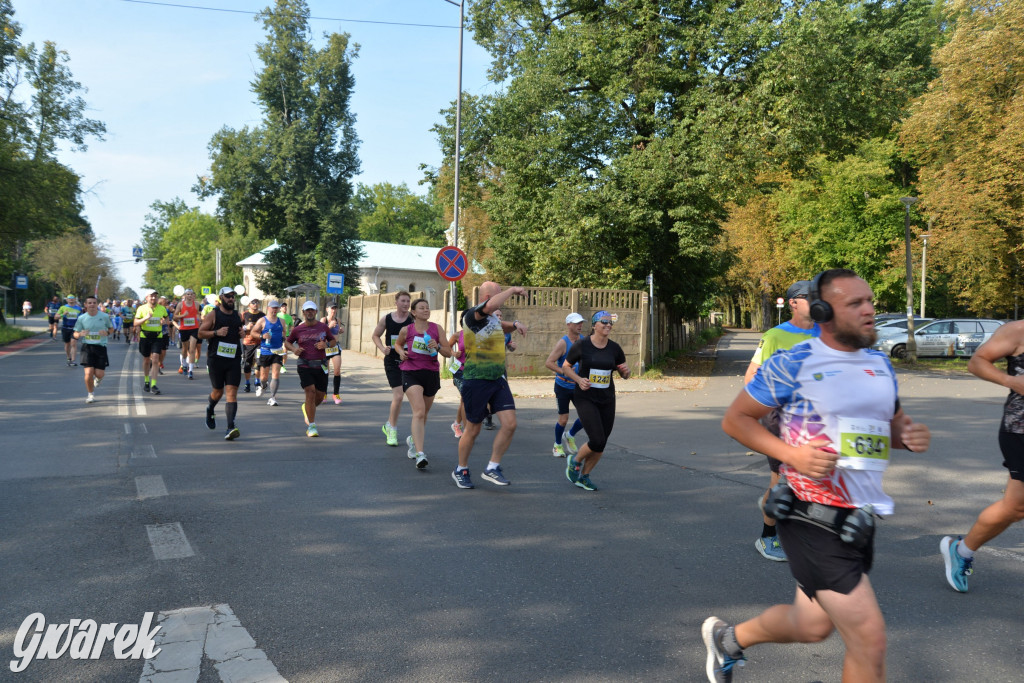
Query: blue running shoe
column 770, row 549
column 462, row 479
column 957, row 568
column 584, row 483
column 495, row 476
column 720, row 664
column 572, row 469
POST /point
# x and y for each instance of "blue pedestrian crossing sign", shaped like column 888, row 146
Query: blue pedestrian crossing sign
column 452, row 263
column 136, row 252
column 205, row 291
column 335, row 283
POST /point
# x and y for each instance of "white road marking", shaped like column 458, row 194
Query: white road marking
column 168, row 541
column 122, row 387
column 150, row 486
column 146, row 451
column 186, row 635
column 127, row 425
column 1005, row 554
column 142, row 428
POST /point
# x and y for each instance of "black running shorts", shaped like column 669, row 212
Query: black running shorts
column 820, row 560
column 94, row 356
column 393, row 372
column 223, row 371
column 1012, row 446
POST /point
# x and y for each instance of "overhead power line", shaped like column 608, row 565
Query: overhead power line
column 251, row 13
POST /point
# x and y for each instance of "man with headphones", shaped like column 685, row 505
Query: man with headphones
column 839, row 417
column 797, row 329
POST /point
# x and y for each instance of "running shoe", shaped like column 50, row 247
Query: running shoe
column 488, row 422
column 154, row 390
column 584, row 483
column 720, row 665
column 96, row 383
column 390, row 434
column 572, row 470
column 462, row 479
column 770, row 548
column 957, row 568
column 145, row 387
column 412, row 447
column 90, row 399
column 337, row 400
column 495, row 476
column 271, row 401
column 311, row 430
column 283, row 369
column 160, row 370
column 304, row 417
column 231, row 434
column 570, row 444
column 457, row 430
column 190, row 375
column 69, row 362
column 558, row 450
column 259, row 390
column 247, row 388
column 181, row 370
column 421, row 461
column 211, row 421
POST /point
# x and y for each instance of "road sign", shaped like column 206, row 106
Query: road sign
column 136, row 252
column 21, row 282
column 335, row 283
column 779, row 302
column 452, row 263
column 205, row 291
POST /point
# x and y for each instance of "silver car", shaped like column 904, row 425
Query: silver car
column 950, row 337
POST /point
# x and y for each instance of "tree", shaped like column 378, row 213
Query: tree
column 187, row 248
column 153, row 230
column 74, row 262
column 289, row 178
column 967, row 135
column 386, row 213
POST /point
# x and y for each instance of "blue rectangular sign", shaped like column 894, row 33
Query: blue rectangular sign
column 21, row 282
column 335, row 283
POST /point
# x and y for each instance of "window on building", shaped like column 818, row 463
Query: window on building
column 383, row 286
column 412, row 287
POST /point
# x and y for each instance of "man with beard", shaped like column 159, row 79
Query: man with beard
column 251, row 345
column 222, row 326
column 839, row 417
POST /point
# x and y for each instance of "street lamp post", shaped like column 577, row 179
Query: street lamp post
column 924, row 265
column 911, row 342
column 458, row 155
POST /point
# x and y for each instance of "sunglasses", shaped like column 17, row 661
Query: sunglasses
column 227, row 296
column 609, row 323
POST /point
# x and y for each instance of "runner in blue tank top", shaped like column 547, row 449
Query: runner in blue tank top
column 270, row 330
column 564, row 387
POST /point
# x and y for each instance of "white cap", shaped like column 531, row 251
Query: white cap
column 573, row 318
column 226, row 290
column 309, row 306
column 274, row 303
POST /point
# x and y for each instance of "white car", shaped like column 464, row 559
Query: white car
column 949, row 338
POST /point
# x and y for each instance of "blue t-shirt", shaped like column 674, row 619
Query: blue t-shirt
column 93, row 326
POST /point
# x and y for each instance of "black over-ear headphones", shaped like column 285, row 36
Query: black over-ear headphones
column 821, row 310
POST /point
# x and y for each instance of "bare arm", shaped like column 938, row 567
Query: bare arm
column 400, row 343
column 1000, row 345
column 552, row 362
column 907, row 434
column 742, row 422
column 495, row 302
column 445, row 345
column 375, row 337
column 751, row 371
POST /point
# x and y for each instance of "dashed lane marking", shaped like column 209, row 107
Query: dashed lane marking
column 168, row 541
column 150, row 486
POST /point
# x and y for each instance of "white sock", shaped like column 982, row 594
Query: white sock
column 964, row 551
column 491, row 465
column 191, row 366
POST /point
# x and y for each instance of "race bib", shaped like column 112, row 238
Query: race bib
column 93, row 337
column 863, row 444
column 600, row 379
column 188, row 322
column 332, row 350
column 394, row 340
column 456, row 365
column 420, row 346
column 225, row 350
column 278, row 352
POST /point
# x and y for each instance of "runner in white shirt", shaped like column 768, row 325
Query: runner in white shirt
column 839, row 419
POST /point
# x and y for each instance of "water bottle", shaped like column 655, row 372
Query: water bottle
column 426, row 340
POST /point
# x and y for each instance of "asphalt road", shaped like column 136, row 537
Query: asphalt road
column 342, row 562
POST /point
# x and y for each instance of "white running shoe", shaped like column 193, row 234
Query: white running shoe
column 259, row 390
column 271, row 401
column 90, row 399
column 412, row 447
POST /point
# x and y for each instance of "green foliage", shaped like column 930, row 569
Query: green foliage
column 289, row 179
column 187, row 247
column 393, row 214
column 75, row 263
column 153, row 231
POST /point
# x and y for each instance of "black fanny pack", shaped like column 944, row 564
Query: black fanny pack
column 855, row 526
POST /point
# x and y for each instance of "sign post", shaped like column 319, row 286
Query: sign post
column 779, row 304
column 335, row 283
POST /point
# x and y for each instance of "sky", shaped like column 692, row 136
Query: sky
column 165, row 76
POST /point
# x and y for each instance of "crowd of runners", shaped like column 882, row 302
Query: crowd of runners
column 818, row 402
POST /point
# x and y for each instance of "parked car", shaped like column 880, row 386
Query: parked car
column 893, row 326
column 949, row 337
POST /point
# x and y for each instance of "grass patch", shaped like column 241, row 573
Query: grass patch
column 944, row 366
column 684, row 362
column 9, row 333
